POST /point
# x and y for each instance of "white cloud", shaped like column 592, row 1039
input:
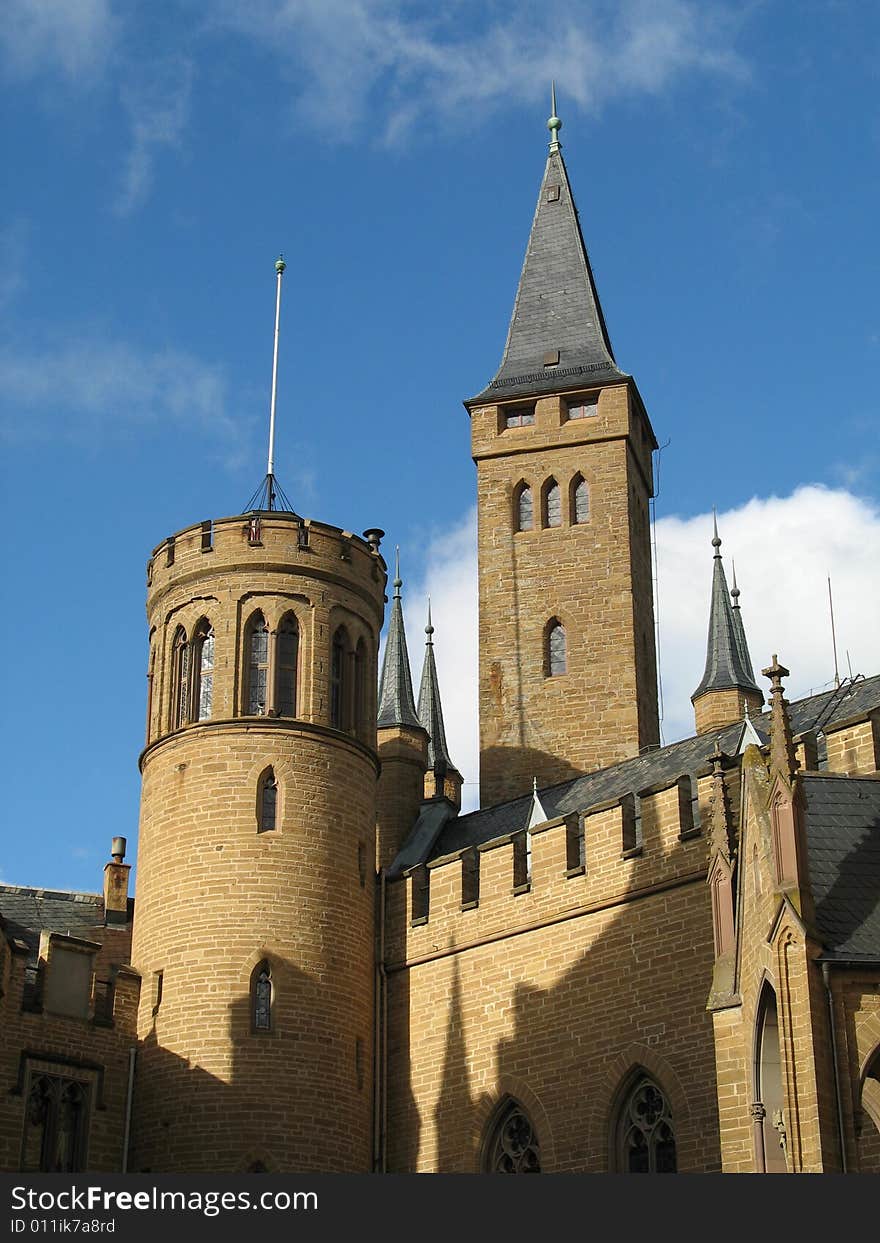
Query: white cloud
column 784, row 548
column 73, row 37
column 89, row 384
column 158, row 105
column 348, row 57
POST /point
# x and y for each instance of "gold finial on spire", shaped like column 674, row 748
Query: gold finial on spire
column 554, row 124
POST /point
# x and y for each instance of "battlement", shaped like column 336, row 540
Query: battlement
column 260, row 542
column 610, row 853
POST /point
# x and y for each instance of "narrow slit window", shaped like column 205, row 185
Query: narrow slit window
column 360, row 688
column 179, row 679
column 338, row 687
column 258, row 665
column 287, row 655
column 557, row 656
column 261, row 998
column 525, row 510
column 580, row 496
column 552, row 505
column 268, row 802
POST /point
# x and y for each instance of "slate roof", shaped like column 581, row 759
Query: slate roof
column 28, row 911
column 396, row 702
column 557, row 305
column 842, row 825
column 663, row 765
column 728, row 664
column 431, row 710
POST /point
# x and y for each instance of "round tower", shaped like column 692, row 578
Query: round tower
column 255, row 880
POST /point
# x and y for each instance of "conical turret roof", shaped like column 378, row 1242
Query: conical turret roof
column 728, row 665
column 396, row 703
column 430, row 708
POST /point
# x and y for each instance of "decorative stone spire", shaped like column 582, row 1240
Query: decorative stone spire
column 720, row 837
column 396, row 703
column 739, row 629
column 728, row 666
column 782, row 753
column 557, row 337
column 430, row 709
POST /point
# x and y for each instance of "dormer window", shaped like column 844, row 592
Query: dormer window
column 521, row 416
column 583, row 407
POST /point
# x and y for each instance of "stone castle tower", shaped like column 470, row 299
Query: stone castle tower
column 563, row 447
column 256, row 863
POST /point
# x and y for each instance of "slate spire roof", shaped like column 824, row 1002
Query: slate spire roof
column 396, row 703
column 430, row 709
column 728, row 664
column 557, row 313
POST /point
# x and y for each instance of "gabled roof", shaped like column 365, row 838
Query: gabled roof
column 642, row 772
column 557, row 305
column 28, row 912
column 728, row 664
column 842, row 825
column 396, row 703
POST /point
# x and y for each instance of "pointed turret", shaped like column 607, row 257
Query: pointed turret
column 442, row 776
column 401, row 740
column 728, row 690
column 739, row 629
column 557, row 337
column 396, row 702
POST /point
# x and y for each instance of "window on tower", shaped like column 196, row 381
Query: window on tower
column 179, row 678
column 267, row 802
column 519, row 416
column 360, row 689
column 524, row 509
column 203, row 671
column 262, row 997
column 583, row 407
column 556, row 660
column 580, row 500
column 286, row 656
column 552, row 504
column 257, row 652
column 338, row 680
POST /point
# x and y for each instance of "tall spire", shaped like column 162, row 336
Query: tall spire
column 741, row 642
column 728, row 666
column 557, row 337
column 396, row 703
column 430, row 709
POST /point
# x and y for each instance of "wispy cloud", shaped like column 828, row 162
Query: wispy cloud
column 784, row 548
column 78, row 386
column 355, row 59
column 158, row 106
column 70, row 37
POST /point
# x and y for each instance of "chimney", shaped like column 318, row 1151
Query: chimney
column 116, row 884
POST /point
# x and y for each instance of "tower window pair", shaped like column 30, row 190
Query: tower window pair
column 192, row 675
column 261, row 656
column 348, row 683
column 583, row 407
column 521, row 416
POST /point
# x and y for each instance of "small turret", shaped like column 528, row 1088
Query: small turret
column 442, row 777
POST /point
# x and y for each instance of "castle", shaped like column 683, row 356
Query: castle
column 632, row 958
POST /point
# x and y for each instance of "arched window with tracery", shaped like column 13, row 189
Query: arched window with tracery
column 203, row 670
column 512, row 1146
column 552, row 504
column 286, row 657
column 179, row 678
column 257, row 655
column 580, row 500
column 556, row 655
column 262, row 997
column 523, row 508
column 56, row 1125
column 645, row 1134
column 267, row 802
column 339, row 679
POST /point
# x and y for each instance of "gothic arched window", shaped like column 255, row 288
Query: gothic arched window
column 556, row 656
column 179, row 678
column 580, row 500
column 267, row 802
column 645, row 1136
column 56, row 1123
column 286, row 656
column 338, row 680
column 768, row 1108
column 552, row 504
column 524, row 509
column 262, row 997
column 257, row 656
column 360, row 688
column 513, row 1146
column 203, row 671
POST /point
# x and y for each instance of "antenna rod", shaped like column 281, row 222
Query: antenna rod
column 833, row 636
column 270, row 468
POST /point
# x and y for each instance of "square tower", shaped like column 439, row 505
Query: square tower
column 563, row 447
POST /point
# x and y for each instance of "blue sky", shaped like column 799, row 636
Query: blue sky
column 724, row 159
